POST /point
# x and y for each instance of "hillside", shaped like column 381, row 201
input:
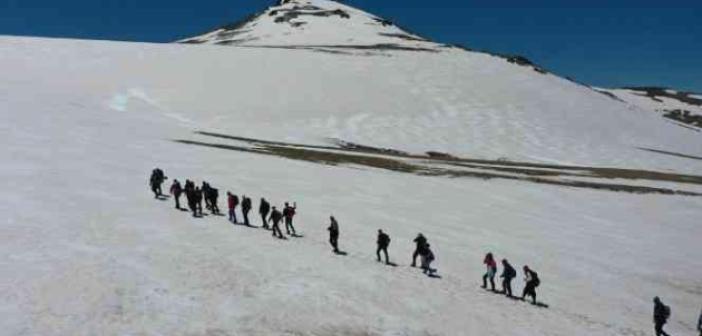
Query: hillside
column 680, row 107
column 479, row 154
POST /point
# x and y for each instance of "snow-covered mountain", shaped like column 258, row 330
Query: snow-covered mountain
column 315, row 23
column 478, row 152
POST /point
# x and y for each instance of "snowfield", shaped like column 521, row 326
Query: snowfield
column 86, row 250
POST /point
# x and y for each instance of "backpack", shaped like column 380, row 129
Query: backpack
column 510, row 273
column 666, row 312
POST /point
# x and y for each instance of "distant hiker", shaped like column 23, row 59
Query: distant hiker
column 176, row 190
column 206, row 193
column 214, row 197
column 427, row 258
column 276, row 216
column 661, row 313
column 155, row 181
column 246, row 208
column 508, row 273
column 198, row 200
column 232, row 202
column 491, row 265
column 263, row 210
column 383, row 243
column 190, row 195
column 421, row 243
column 289, row 213
column 334, row 234
column 532, row 281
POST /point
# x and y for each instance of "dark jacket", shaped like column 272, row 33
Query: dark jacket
column 246, row 204
column 383, row 240
column 264, row 208
column 533, row 277
column 276, row 216
column 176, row 189
column 421, row 243
column 661, row 312
column 508, row 272
column 333, row 229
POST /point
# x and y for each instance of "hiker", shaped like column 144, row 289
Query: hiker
column 190, row 195
column 661, row 313
column 213, row 200
column 198, row 200
column 276, row 216
column 421, row 243
column 245, row 208
column 489, row 261
column 383, row 243
column 232, row 202
column 532, row 281
column 207, row 195
column 176, row 190
column 427, row 257
column 263, row 210
column 699, row 323
column 508, row 273
column 289, row 213
column 211, row 196
column 334, row 234
column 155, row 181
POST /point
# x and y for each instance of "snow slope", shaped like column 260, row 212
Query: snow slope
column 659, row 100
column 86, row 250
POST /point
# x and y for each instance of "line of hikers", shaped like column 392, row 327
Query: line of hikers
column 531, row 278
column 195, row 196
column 383, row 243
column 270, row 214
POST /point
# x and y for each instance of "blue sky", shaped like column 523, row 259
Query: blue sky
column 606, row 43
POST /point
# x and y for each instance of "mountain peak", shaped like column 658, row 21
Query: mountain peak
column 314, row 23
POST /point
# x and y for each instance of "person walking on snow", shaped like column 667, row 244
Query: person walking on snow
column 207, row 195
column 532, row 281
column 245, row 209
column 289, row 213
column 491, row 265
column 276, row 216
column 214, row 196
column 198, row 200
column 334, row 234
column 427, row 258
column 190, row 196
column 508, row 273
column 383, row 243
column 176, row 190
column 661, row 313
column 232, row 202
column 421, row 243
column 155, row 181
column 263, row 210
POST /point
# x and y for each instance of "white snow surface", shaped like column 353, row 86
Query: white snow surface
column 86, row 250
